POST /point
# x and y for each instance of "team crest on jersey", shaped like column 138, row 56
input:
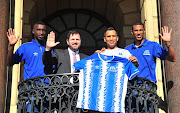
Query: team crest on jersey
column 113, row 69
column 35, row 54
column 146, row 52
column 120, row 53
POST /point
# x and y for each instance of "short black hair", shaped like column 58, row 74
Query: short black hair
column 72, row 32
column 137, row 23
column 109, row 28
column 39, row 22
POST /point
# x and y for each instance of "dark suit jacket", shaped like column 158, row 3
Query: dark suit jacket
column 60, row 59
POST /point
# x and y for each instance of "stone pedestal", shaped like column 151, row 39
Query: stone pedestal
column 4, row 18
column 170, row 11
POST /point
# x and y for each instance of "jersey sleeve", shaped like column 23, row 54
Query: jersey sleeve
column 20, row 54
column 160, row 51
column 131, row 70
column 128, row 54
column 79, row 65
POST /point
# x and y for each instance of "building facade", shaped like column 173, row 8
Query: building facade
column 91, row 18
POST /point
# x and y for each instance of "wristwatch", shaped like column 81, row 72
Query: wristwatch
column 168, row 45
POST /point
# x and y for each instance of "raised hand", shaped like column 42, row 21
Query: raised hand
column 11, row 36
column 51, row 41
column 166, row 36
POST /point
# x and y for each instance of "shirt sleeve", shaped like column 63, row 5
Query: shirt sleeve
column 81, row 64
column 131, row 70
column 128, row 54
column 160, row 51
column 20, row 54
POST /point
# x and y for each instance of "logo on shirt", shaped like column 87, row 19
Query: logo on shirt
column 146, row 52
column 35, row 54
column 120, row 53
column 113, row 69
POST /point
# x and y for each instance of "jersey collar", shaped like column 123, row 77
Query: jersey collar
column 143, row 44
column 37, row 43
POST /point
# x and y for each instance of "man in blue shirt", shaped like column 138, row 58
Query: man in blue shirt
column 30, row 52
column 147, row 51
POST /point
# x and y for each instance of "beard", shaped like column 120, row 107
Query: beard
column 41, row 40
column 74, row 49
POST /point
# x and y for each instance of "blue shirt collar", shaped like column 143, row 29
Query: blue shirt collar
column 37, row 43
column 143, row 44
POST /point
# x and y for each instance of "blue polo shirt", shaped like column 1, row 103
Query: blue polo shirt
column 31, row 53
column 146, row 54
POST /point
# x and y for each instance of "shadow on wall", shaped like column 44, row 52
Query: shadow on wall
column 163, row 103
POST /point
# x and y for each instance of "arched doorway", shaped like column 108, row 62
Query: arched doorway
column 91, row 26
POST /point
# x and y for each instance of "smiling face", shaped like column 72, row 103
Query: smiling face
column 111, row 39
column 74, row 41
column 138, row 32
column 39, row 32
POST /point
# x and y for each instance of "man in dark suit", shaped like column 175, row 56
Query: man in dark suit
column 63, row 59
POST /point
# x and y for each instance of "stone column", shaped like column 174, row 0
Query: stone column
column 170, row 16
column 18, row 23
column 4, row 18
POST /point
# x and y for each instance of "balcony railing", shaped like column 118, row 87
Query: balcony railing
column 58, row 94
